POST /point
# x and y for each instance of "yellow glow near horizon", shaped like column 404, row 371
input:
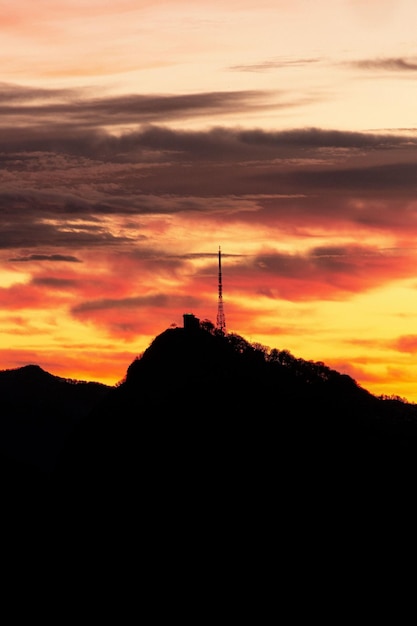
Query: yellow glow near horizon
column 9, row 278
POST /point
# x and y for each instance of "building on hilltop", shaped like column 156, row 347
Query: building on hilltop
column 191, row 322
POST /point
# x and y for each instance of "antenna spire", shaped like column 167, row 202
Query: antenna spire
column 221, row 320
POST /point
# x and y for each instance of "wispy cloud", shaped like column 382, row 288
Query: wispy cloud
column 405, row 343
column 46, row 257
column 274, row 64
column 63, row 191
column 63, row 109
column 397, row 64
column 328, row 273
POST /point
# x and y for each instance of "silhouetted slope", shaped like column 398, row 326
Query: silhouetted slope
column 203, row 419
column 38, row 410
column 213, row 420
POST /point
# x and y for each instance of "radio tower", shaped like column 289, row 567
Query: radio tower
column 221, row 320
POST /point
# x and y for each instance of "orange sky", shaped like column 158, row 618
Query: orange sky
column 138, row 136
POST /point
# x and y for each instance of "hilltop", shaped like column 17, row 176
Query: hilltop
column 209, row 445
column 199, row 409
column 38, row 411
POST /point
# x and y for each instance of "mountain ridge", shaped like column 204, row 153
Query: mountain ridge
column 208, row 441
column 196, row 382
column 195, row 393
column 38, row 410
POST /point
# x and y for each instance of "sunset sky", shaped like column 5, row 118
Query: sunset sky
column 139, row 136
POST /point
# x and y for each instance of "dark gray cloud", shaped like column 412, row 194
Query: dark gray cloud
column 62, row 110
column 222, row 144
column 11, row 92
column 337, row 252
column 151, row 143
column 398, row 178
column 63, row 174
column 55, row 283
column 391, row 64
column 159, row 300
column 328, row 272
column 23, row 229
column 334, row 260
column 67, row 258
column 314, row 138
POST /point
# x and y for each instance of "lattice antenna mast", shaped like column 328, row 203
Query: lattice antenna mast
column 221, row 320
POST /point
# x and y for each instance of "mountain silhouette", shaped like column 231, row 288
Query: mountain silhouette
column 212, row 454
column 38, row 411
column 203, row 413
column 199, row 399
column 195, row 389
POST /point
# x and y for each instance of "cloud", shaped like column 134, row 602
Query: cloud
column 19, row 297
column 326, row 273
column 273, row 64
column 406, row 343
column 11, row 93
column 71, row 187
column 29, row 225
column 398, row 178
column 158, row 300
column 54, row 283
column 46, row 257
column 39, row 108
column 129, row 316
column 32, row 148
column 396, row 64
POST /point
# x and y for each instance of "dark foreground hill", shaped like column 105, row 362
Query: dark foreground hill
column 38, row 411
column 214, row 463
column 197, row 406
column 200, row 413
